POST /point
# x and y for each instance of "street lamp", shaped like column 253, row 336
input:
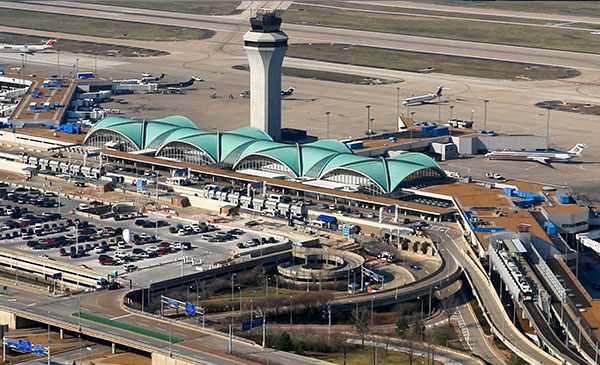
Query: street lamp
column 451, row 110
column 291, row 310
column 59, row 192
column 240, row 289
column 412, row 117
column 485, row 101
column 548, row 130
column 327, row 113
column 421, row 329
column 232, row 294
column 398, row 105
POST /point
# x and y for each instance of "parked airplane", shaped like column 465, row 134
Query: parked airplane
column 150, row 78
column 289, row 91
column 543, row 157
column 424, row 99
column 26, row 48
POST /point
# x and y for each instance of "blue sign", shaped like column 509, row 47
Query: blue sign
column 246, row 326
column 182, row 171
column 5, row 288
column 93, row 154
column 257, row 184
column 57, row 276
column 38, row 349
column 190, row 309
column 140, row 184
column 173, row 303
column 257, row 323
column 24, row 346
column 12, row 343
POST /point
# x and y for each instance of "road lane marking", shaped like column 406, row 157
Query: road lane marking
column 31, row 304
column 123, row 316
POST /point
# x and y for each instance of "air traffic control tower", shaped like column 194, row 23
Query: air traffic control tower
column 265, row 46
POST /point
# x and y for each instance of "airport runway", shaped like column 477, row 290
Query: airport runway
column 305, row 33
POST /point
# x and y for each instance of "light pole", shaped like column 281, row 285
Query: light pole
column 439, row 109
column 232, row 294
column 421, row 329
column 412, row 117
column 197, row 296
column 76, row 67
column 548, row 131
column 240, row 289
column 451, row 110
column 22, row 61
column 485, row 101
column 58, row 62
column 369, row 132
column 398, row 105
column 327, row 114
column 472, row 111
column 291, row 310
column 59, row 192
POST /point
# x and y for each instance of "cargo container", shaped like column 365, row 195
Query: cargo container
column 85, row 75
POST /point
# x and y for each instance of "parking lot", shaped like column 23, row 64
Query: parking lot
column 98, row 245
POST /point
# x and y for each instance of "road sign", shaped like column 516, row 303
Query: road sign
column 93, row 154
column 38, row 349
column 24, row 346
column 190, row 309
column 141, row 184
column 257, row 323
column 246, row 326
column 57, row 276
column 173, row 303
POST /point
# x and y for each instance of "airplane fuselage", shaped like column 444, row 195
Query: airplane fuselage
column 21, row 48
column 529, row 155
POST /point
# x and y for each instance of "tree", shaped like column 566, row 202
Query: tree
column 284, row 342
column 415, row 246
column 424, row 247
column 258, row 273
column 405, row 244
column 361, row 318
column 402, row 325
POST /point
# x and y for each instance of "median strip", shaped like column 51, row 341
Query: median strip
column 127, row 327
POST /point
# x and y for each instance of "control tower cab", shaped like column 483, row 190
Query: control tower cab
column 265, row 46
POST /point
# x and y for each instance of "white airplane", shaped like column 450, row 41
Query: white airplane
column 26, row 48
column 424, row 99
column 289, row 91
column 543, row 157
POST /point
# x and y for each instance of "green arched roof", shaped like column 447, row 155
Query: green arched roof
column 142, row 132
column 314, row 159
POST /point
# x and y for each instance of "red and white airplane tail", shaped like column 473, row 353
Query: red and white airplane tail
column 577, row 149
column 50, row 42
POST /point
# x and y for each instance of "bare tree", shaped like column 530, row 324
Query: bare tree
column 362, row 319
column 449, row 305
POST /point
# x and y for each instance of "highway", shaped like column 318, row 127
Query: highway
column 196, row 345
column 304, row 34
column 490, row 302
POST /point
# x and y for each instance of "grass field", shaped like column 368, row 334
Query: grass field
column 327, row 76
column 192, row 7
column 423, row 13
column 127, row 327
column 510, row 34
column 358, row 356
column 98, row 27
column 414, row 61
column 73, row 46
column 583, row 8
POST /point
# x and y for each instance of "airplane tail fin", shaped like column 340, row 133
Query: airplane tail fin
column 439, row 91
column 50, row 42
column 578, row 148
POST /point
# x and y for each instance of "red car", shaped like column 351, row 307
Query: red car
column 160, row 252
column 165, row 244
column 108, row 261
column 23, row 224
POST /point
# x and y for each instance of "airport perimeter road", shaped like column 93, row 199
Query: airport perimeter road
column 513, row 338
column 199, row 345
column 304, row 33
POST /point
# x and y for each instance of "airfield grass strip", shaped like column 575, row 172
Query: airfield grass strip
column 127, row 327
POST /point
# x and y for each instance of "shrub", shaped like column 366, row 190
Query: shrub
column 284, row 342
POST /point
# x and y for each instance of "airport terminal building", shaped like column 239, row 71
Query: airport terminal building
column 251, row 151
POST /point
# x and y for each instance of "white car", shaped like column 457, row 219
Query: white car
column 152, row 249
column 181, row 232
column 98, row 250
column 176, row 245
column 122, row 245
column 129, row 267
column 83, row 206
column 44, row 256
column 121, row 254
column 143, row 235
column 83, row 266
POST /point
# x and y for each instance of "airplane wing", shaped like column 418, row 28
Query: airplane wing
column 542, row 160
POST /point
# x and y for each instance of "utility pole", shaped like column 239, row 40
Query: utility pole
column 398, row 106
column 327, row 113
column 548, row 131
column 156, row 213
column 485, row 101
